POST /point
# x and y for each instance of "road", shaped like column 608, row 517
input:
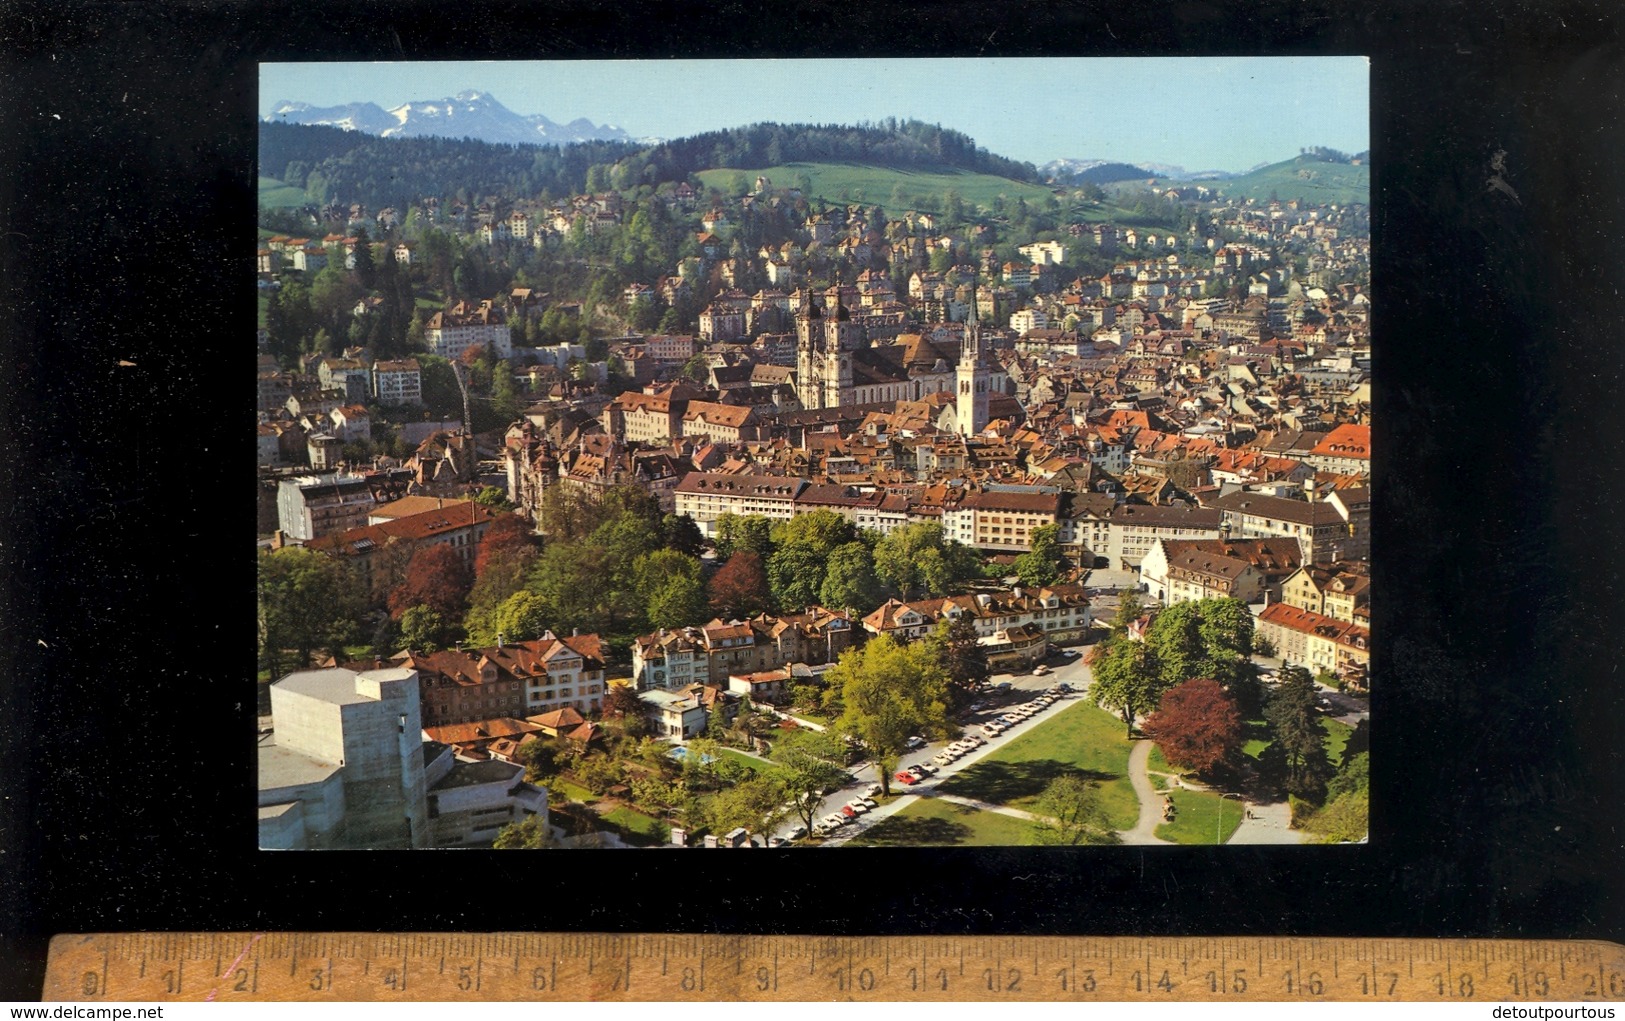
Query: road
column 990, row 705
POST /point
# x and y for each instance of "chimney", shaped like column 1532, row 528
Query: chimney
column 499, row 639
column 575, row 632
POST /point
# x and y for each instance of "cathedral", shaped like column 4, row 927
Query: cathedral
column 836, row 365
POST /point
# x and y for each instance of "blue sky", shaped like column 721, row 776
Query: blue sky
column 1200, row 113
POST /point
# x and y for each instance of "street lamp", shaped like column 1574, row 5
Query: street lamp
column 1218, row 823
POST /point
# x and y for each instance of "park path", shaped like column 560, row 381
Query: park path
column 1144, row 831
column 986, row 806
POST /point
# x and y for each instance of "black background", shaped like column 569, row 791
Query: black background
column 127, row 191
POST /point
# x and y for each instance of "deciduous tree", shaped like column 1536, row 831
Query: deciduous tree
column 1126, row 679
column 307, row 601
column 435, row 577
column 795, row 574
column 1041, row 564
column 507, row 535
column 423, row 629
column 962, row 658
column 809, row 761
column 1072, row 813
column 889, row 691
column 739, row 588
column 529, row 833
column 1197, row 726
column 849, row 579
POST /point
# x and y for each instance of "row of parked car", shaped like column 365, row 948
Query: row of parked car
column 1020, row 713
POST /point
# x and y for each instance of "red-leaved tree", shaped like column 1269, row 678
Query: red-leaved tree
column 507, row 534
column 739, row 589
column 1196, row 726
column 437, row 578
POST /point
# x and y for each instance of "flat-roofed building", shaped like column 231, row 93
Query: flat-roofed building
column 366, row 726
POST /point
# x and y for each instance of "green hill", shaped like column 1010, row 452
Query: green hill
column 889, row 187
column 276, row 195
column 1304, row 179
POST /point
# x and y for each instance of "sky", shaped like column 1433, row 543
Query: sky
column 1196, row 112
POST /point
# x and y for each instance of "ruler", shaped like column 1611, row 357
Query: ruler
column 568, row 967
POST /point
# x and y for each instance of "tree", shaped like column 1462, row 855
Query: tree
column 1041, row 564
column 621, row 701
column 529, row 833
column 716, row 725
column 755, row 803
column 1072, row 813
column 739, row 589
column 423, row 629
column 916, row 560
column 962, row 658
column 522, row 617
column 307, row 601
column 365, row 270
column 1197, row 726
column 1297, row 750
column 1126, row 679
column 506, row 537
column 889, row 691
column 435, row 577
column 679, row 532
column 849, row 578
column 542, row 757
column 822, row 530
column 669, row 584
column 795, row 573
column 737, row 532
column 494, row 498
column 809, row 762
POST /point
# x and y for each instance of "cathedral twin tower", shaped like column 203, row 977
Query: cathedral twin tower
column 827, row 340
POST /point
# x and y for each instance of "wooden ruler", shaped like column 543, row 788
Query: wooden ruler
column 542, row 966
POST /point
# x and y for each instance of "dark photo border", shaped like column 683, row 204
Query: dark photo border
column 127, row 208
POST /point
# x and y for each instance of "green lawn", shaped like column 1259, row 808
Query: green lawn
column 635, row 826
column 740, row 757
column 1337, row 735
column 276, row 194
column 574, row 791
column 1080, row 739
column 931, row 821
column 884, row 186
column 1195, row 817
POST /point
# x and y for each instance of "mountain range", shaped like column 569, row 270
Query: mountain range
column 468, row 114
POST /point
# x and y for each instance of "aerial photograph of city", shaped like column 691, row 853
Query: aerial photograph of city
column 960, row 452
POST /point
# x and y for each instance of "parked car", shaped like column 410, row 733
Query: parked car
column 906, row 778
column 855, row 807
column 914, row 742
column 796, row 833
column 872, row 790
column 1041, row 669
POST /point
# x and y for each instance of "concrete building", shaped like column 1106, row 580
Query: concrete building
column 470, row 802
column 343, row 766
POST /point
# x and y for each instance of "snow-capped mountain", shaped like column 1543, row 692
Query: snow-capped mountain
column 468, row 114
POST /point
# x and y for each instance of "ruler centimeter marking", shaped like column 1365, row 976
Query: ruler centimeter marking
column 655, row 967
